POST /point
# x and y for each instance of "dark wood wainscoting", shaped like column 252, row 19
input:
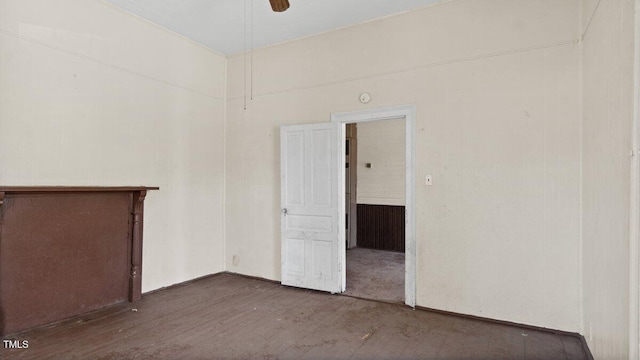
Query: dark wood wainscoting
column 381, row 227
column 67, row 251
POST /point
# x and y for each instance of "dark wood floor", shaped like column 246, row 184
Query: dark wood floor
column 232, row 317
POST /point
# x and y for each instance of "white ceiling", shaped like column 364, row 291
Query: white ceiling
column 220, row 24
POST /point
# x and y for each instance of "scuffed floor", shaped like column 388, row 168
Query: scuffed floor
column 233, row 317
column 375, row 274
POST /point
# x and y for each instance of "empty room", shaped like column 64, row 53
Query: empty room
column 356, row 179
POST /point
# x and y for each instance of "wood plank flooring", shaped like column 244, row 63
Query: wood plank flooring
column 232, row 317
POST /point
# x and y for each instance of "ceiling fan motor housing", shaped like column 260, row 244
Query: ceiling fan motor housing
column 279, row 5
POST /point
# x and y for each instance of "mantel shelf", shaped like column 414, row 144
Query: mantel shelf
column 27, row 189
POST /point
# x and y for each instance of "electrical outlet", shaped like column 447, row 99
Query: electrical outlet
column 236, row 260
column 428, row 181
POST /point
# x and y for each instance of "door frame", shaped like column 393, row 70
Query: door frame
column 634, row 213
column 408, row 113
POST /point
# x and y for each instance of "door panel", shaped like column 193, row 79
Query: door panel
column 309, row 223
column 309, row 203
column 295, row 257
column 295, row 167
column 321, row 167
column 321, row 251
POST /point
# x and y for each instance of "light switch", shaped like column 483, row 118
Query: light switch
column 428, row 180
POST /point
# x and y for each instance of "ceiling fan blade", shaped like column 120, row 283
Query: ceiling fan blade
column 279, row 5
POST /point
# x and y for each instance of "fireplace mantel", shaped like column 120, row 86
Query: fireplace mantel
column 66, row 250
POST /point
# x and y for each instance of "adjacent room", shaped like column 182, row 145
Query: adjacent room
column 244, row 179
column 375, row 199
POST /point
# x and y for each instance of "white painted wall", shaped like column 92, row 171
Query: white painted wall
column 607, row 104
column 90, row 95
column 382, row 144
column 496, row 85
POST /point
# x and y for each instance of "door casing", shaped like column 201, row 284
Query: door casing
column 408, row 113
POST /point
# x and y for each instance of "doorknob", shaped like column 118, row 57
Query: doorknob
column 284, row 211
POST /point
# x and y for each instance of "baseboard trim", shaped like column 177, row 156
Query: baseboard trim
column 585, row 347
column 578, row 336
column 501, row 322
column 183, row 283
column 254, row 278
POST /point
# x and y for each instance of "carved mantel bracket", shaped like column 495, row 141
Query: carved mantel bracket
column 135, row 282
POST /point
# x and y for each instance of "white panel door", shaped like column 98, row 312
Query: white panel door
column 309, row 169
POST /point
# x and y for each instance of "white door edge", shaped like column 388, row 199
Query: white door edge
column 634, row 231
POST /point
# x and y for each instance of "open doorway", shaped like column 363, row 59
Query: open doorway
column 375, row 209
column 352, row 236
